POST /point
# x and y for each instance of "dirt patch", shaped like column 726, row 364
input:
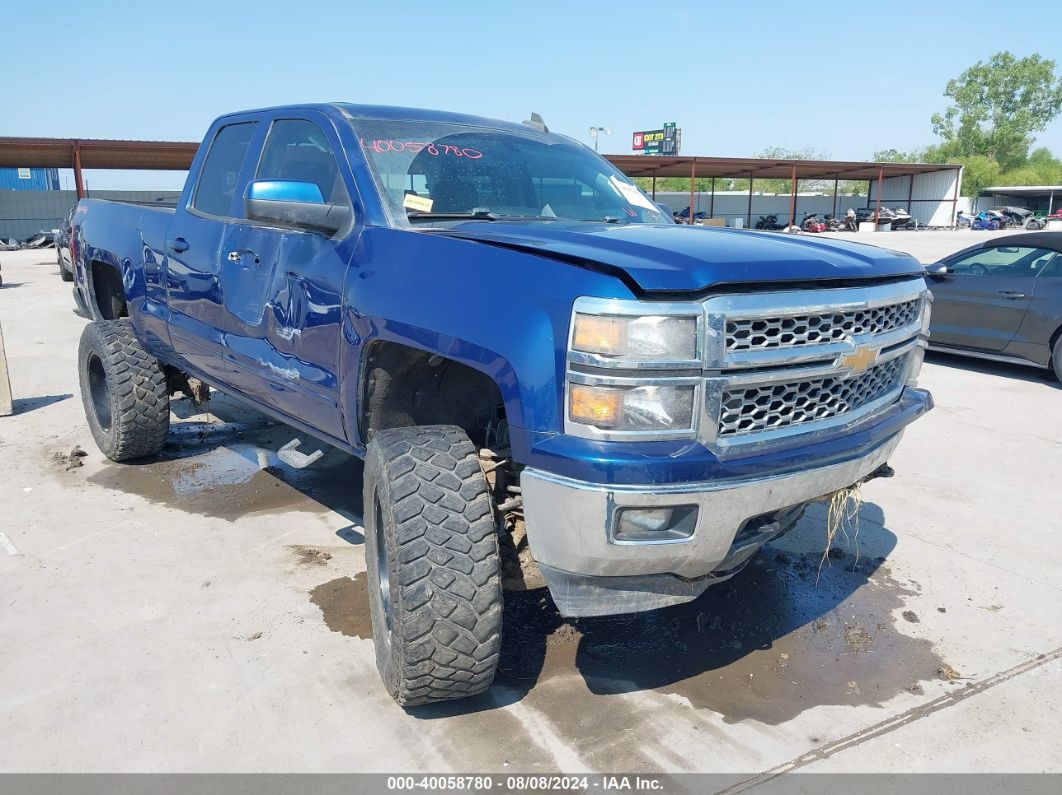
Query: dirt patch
column 72, row 460
column 216, row 470
column 344, row 604
column 765, row 646
column 311, row 556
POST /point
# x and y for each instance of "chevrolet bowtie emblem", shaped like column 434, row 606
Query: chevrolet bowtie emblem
column 859, row 360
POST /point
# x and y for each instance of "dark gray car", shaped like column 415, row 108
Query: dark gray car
column 1001, row 299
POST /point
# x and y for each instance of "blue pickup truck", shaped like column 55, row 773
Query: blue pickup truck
column 550, row 382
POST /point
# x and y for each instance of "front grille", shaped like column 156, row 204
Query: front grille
column 765, row 333
column 772, row 406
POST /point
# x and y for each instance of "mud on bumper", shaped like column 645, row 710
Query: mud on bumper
column 597, row 562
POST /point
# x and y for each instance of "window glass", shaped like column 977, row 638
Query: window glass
column 1003, row 261
column 425, row 167
column 217, row 181
column 298, row 151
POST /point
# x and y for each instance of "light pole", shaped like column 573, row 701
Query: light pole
column 596, row 131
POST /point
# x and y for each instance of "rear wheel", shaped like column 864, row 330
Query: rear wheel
column 1056, row 358
column 123, row 388
column 434, row 570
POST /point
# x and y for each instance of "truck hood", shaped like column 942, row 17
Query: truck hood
column 676, row 259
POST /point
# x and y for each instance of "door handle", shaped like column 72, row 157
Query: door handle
column 177, row 245
column 1012, row 294
column 237, row 256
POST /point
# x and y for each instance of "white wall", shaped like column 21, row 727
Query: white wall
column 932, row 195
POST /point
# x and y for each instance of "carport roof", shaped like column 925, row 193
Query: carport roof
column 1022, row 190
column 96, row 153
column 765, row 168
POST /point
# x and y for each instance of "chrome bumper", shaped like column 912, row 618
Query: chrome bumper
column 571, row 525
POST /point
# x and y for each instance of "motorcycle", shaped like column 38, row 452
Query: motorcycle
column 846, row 224
column 769, row 222
column 983, row 221
column 811, row 223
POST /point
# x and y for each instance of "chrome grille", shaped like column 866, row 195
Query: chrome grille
column 781, row 405
column 764, row 333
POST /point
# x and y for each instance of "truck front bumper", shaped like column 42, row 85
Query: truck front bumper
column 576, row 536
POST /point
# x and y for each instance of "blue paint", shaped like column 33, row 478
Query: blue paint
column 286, row 327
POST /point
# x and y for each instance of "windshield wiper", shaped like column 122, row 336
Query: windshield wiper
column 478, row 214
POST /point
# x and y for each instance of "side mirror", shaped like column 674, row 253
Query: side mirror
column 298, row 204
column 937, row 269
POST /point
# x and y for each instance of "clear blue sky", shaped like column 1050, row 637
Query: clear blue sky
column 844, row 78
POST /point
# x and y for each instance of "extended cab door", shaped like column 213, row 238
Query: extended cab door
column 981, row 300
column 283, row 285
column 200, row 324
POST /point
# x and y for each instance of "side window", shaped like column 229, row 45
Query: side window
column 217, row 180
column 298, row 150
column 1003, row 261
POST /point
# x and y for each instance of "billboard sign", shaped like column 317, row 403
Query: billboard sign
column 665, row 141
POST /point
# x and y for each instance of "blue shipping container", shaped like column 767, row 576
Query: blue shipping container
column 29, row 179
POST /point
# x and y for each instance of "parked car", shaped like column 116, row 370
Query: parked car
column 536, row 364
column 62, row 247
column 1002, row 300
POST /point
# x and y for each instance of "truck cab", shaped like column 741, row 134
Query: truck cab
column 552, row 384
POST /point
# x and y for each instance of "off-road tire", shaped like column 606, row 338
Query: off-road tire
column 124, row 391
column 430, row 531
column 1056, row 358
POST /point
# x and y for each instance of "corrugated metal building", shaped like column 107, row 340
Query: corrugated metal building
column 932, row 198
column 29, row 179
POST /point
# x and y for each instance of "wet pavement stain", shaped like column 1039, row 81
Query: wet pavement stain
column 228, row 470
column 344, row 604
column 765, row 646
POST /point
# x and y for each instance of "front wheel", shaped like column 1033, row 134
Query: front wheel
column 434, row 569
column 123, row 388
column 1056, row 358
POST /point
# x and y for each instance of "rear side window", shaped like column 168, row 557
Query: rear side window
column 221, row 170
column 298, row 151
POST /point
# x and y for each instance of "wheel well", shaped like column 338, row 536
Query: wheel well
column 1054, row 338
column 403, row 387
column 108, row 291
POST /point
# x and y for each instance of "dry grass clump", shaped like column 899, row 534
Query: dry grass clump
column 842, row 516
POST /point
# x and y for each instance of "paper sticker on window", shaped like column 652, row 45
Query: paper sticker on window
column 631, row 194
column 422, row 204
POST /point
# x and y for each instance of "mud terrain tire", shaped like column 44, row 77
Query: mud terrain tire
column 434, row 571
column 124, row 391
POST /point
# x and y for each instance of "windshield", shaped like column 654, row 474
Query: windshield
column 430, row 171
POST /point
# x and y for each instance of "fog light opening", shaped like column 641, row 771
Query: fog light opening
column 655, row 525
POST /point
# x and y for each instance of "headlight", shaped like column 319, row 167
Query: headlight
column 645, row 408
column 650, row 338
column 635, row 334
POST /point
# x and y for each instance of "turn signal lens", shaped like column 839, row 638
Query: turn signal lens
column 595, row 405
column 599, row 334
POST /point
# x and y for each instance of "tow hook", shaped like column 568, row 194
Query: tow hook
column 883, row 471
column 293, row 458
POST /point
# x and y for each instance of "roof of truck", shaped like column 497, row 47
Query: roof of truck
column 397, row 113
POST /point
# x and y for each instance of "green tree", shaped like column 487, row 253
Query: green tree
column 979, row 172
column 998, row 105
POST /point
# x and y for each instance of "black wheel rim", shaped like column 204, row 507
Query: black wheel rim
column 101, row 396
column 383, row 569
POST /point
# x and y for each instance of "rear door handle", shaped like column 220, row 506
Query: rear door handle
column 1012, row 294
column 178, row 245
